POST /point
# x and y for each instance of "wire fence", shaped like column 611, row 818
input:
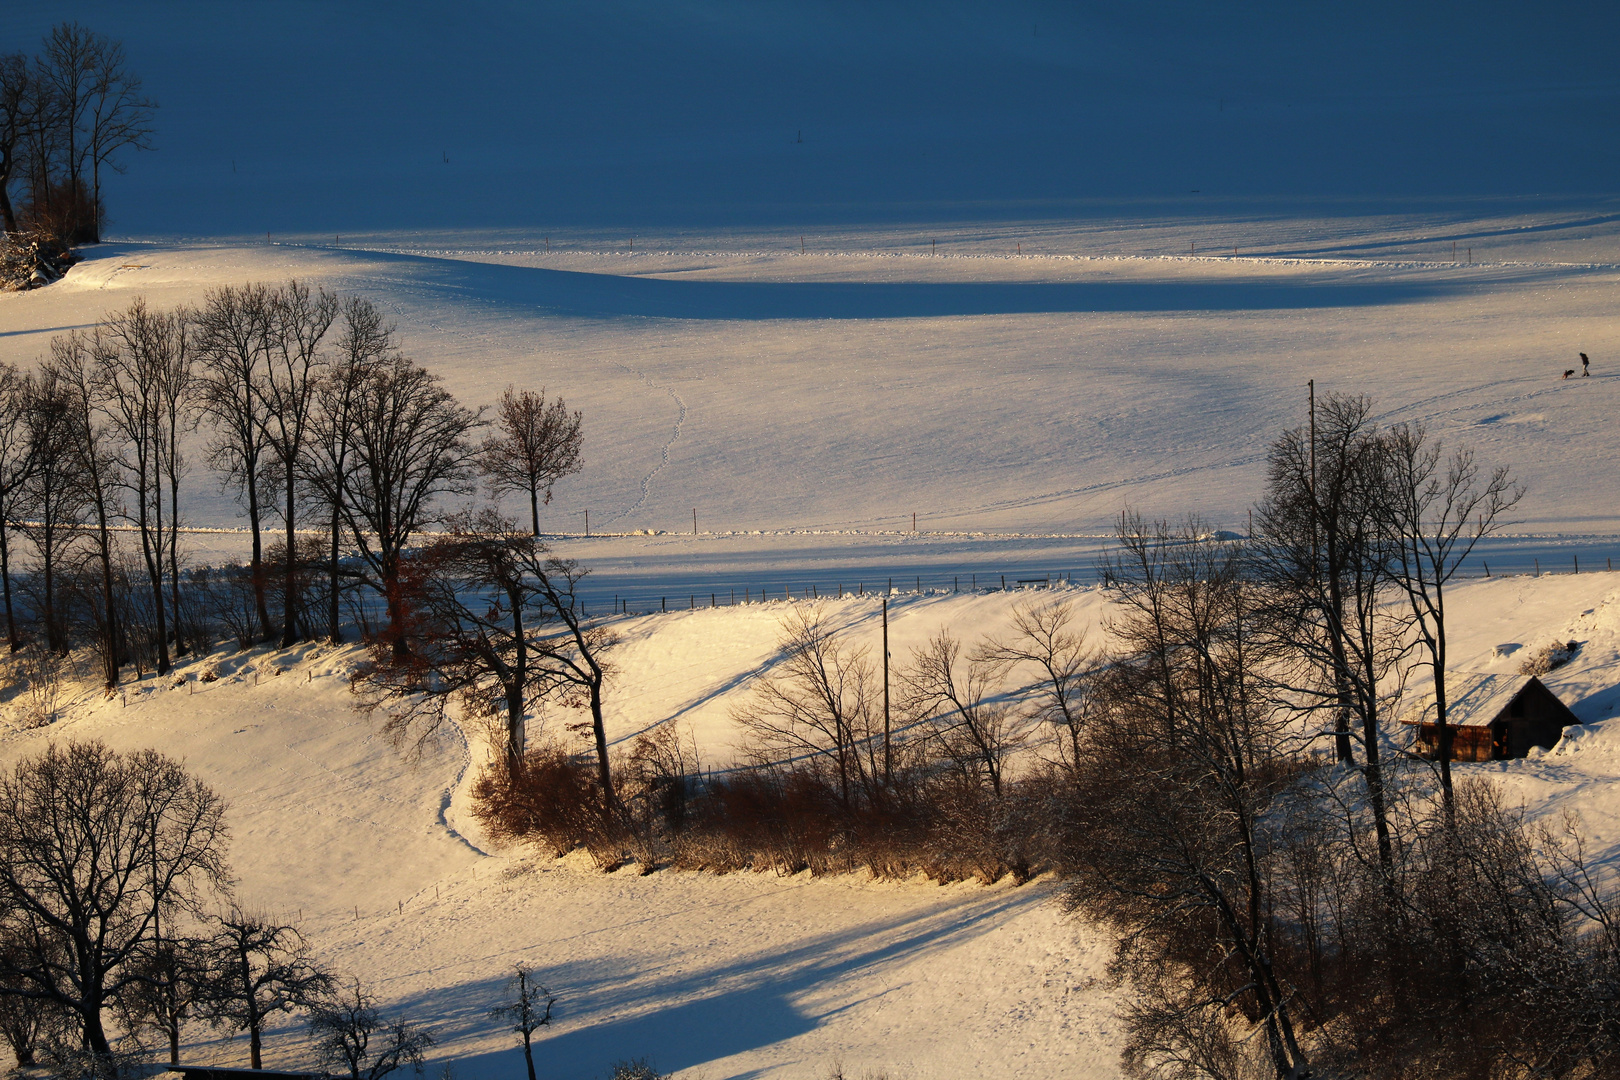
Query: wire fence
column 611, row 592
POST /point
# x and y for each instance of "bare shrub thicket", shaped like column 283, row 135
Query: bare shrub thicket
column 825, row 785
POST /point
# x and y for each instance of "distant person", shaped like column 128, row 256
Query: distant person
column 1585, row 367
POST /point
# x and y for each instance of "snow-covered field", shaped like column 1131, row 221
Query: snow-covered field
column 1034, row 395
column 810, row 270
column 806, row 406
column 737, row 976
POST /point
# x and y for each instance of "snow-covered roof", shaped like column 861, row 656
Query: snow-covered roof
column 1476, row 698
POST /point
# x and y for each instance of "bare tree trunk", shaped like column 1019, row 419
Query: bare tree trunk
column 181, row 646
column 112, row 645
column 257, row 563
column 334, row 625
column 604, row 776
column 5, row 581
column 289, row 596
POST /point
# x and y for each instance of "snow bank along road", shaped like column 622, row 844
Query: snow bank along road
column 739, row 976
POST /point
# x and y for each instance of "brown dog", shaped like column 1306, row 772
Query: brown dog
column 1569, row 372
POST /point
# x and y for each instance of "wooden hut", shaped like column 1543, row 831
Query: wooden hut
column 1496, row 717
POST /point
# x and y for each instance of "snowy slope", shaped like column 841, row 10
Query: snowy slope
column 1005, row 394
column 737, row 976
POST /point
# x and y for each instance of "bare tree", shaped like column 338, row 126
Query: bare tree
column 72, row 372
column 170, row 987
column 233, row 341
column 298, row 322
column 141, row 370
column 500, row 626
column 257, row 968
column 570, row 651
column 1439, row 514
column 410, row 444
column 100, row 110
column 1044, row 638
column 1169, row 834
column 16, row 467
column 19, row 112
column 118, row 116
column 363, row 341
column 821, row 702
column 94, row 846
column 527, row 1008
column 52, row 495
column 478, row 604
column 539, row 444
column 177, row 415
column 1324, row 552
column 27, row 1022
column 351, row 1035
column 948, row 693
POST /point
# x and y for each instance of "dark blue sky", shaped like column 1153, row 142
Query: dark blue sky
column 339, row 116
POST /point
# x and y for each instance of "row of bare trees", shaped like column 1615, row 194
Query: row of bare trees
column 312, row 414
column 66, row 114
column 118, row 921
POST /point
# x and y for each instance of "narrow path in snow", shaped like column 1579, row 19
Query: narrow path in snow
column 663, row 456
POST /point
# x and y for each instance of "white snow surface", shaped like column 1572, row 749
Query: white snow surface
column 742, row 975
column 841, row 393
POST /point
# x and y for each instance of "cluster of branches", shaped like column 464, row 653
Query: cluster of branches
column 314, row 415
column 841, row 771
column 66, row 113
column 1289, row 911
column 1294, row 894
column 499, row 630
column 116, row 920
column 1283, row 913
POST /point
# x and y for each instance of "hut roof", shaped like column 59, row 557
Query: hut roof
column 1477, row 698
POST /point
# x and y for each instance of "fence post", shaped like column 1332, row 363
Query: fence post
column 1003, row 582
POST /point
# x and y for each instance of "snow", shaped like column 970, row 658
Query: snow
column 808, row 271
column 743, row 975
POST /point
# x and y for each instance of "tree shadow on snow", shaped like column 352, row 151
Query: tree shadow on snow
column 611, row 1012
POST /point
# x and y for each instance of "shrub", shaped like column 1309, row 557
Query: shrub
column 1549, row 658
column 553, row 800
column 32, row 259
